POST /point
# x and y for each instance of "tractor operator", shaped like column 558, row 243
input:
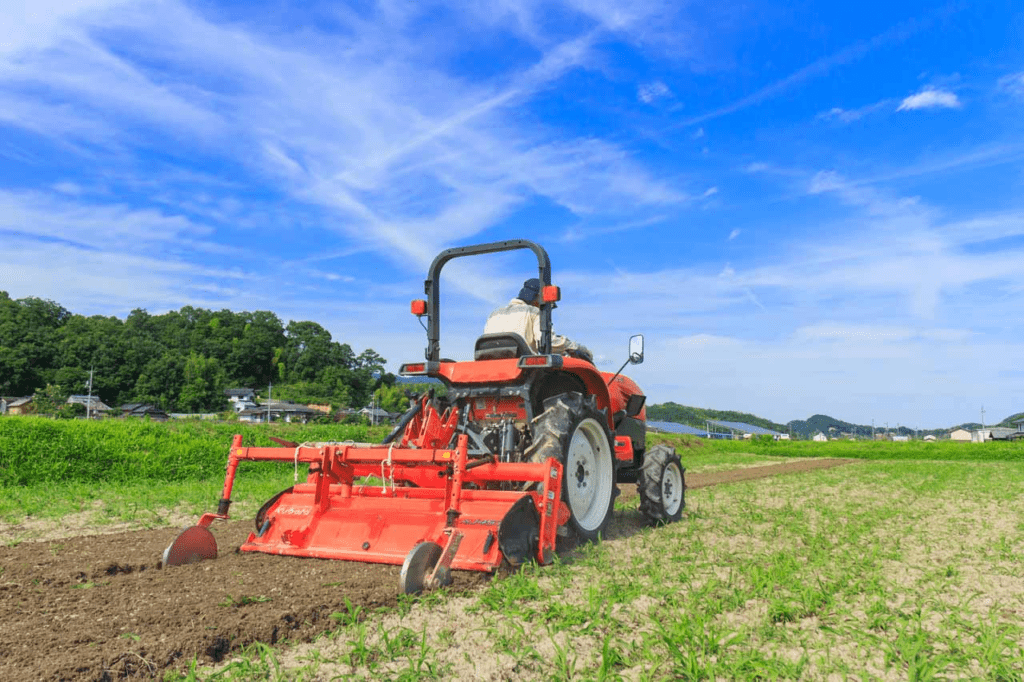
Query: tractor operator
column 521, row 316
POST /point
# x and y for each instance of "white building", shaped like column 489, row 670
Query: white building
column 819, row 437
column 960, row 434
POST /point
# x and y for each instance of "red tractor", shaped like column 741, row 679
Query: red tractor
column 523, row 452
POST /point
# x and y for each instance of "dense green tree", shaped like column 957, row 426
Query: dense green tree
column 180, row 360
column 308, row 351
column 28, row 347
column 49, row 400
column 391, row 398
column 161, row 381
column 253, row 354
column 203, row 390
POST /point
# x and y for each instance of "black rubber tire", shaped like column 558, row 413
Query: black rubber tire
column 572, row 430
column 662, row 485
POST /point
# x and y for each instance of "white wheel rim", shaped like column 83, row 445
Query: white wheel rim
column 588, row 475
column 672, row 488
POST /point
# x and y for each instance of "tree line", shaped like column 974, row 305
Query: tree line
column 180, row 361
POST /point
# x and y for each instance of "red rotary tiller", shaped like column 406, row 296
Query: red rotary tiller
column 524, row 448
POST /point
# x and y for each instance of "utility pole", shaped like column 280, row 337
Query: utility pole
column 872, row 430
column 88, row 403
column 270, row 394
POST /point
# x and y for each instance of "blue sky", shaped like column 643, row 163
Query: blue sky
column 805, row 207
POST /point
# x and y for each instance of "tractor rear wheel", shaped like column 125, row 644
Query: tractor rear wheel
column 662, row 485
column 575, row 432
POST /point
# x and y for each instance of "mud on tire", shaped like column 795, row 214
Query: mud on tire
column 575, row 432
column 662, row 485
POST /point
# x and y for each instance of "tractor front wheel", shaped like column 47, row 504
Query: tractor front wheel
column 662, row 486
column 572, row 430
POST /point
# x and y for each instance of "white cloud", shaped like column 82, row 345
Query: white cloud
column 1013, row 83
column 649, row 92
column 389, row 144
column 69, row 188
column 915, row 376
column 735, row 233
column 38, row 24
column 710, row 192
column 98, row 227
column 850, row 115
column 820, row 67
column 930, row 98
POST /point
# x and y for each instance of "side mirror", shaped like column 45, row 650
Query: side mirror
column 636, row 349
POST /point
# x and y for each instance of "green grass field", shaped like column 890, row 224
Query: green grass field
column 140, row 471
column 883, row 570
column 906, row 566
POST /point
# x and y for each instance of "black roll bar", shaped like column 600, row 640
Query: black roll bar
column 432, row 288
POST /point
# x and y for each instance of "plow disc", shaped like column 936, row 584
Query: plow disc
column 193, row 545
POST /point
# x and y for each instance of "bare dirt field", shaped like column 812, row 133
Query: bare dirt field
column 98, row 607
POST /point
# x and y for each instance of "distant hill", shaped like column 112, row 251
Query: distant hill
column 830, row 426
column 1008, row 422
column 697, row 416
column 1012, row 418
column 800, row 428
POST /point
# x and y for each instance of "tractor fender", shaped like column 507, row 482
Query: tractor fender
column 620, row 390
column 596, row 383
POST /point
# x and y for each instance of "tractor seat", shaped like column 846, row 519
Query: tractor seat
column 501, row 346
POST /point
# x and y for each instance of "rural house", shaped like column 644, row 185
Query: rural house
column 142, row 410
column 239, row 394
column 19, row 405
column 960, row 434
column 376, row 415
column 992, row 433
column 241, row 399
column 277, row 410
column 92, row 403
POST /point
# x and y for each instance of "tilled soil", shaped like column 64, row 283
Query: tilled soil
column 98, row 607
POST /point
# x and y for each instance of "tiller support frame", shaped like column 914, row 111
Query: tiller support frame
column 434, row 511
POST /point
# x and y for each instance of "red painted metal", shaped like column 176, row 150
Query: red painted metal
column 431, row 492
column 334, row 516
column 509, row 371
column 624, row 448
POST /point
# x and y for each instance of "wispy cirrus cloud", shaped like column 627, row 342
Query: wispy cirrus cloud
column 841, row 115
column 649, row 92
column 930, row 98
column 1012, row 83
column 353, row 127
column 822, row 66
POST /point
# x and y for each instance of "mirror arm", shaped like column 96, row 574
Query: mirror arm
column 619, row 372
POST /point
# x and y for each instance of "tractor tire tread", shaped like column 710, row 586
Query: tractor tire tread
column 649, row 485
column 552, row 431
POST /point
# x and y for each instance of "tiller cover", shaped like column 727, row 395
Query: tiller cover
column 427, row 495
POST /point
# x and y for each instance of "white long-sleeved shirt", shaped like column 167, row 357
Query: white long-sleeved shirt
column 519, row 317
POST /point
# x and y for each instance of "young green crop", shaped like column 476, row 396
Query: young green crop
column 882, row 569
